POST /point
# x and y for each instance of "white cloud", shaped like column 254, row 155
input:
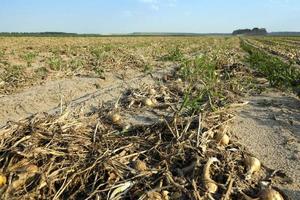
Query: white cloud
column 156, row 4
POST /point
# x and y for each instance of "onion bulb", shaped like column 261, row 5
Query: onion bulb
column 252, row 165
column 151, row 195
column 140, row 165
column 115, row 118
column 225, row 140
column 154, row 101
column 266, row 194
column 152, row 91
column 165, row 195
column 270, row 194
column 222, row 139
column 148, row 102
column 179, row 80
column 31, row 168
column 209, row 184
column 3, row 180
column 126, row 127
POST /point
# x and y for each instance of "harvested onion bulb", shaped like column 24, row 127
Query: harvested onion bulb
column 222, row 139
column 115, row 118
column 140, row 165
column 152, row 91
column 31, row 168
column 209, row 184
column 266, row 194
column 253, row 165
column 270, row 194
column 148, row 102
column 3, row 180
column 225, row 140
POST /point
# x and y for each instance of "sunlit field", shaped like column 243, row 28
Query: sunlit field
column 160, row 128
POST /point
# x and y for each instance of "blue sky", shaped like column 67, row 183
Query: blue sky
column 124, row 16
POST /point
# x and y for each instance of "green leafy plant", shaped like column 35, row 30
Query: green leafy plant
column 99, row 71
column 278, row 73
column 97, row 53
column 2, row 53
column 55, row 63
column 76, row 64
column 202, row 79
column 175, row 54
column 41, row 72
column 108, row 48
column 147, row 68
column 29, row 57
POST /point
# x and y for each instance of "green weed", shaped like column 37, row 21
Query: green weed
column 201, row 76
column 147, row 68
column 98, row 71
column 97, row 53
column 29, row 57
column 41, row 72
column 76, row 64
column 278, row 73
column 174, row 55
column 55, row 63
column 2, row 53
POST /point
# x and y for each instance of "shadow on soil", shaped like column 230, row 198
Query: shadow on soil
column 292, row 194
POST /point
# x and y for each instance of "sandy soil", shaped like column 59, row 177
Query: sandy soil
column 85, row 93
column 269, row 127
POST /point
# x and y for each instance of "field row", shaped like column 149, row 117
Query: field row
column 31, row 61
column 285, row 48
column 165, row 139
column 106, row 155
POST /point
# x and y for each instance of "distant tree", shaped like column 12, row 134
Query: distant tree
column 254, row 31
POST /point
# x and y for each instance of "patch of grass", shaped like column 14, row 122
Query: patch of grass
column 148, row 68
column 98, row 71
column 2, row 53
column 202, row 78
column 97, row 53
column 76, row 64
column 55, row 63
column 41, row 72
column 175, row 54
column 99, row 56
column 29, row 57
column 278, row 73
column 108, row 48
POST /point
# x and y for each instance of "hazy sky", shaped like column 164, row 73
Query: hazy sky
column 124, row 16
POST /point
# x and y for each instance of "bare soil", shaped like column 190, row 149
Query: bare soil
column 80, row 92
column 269, row 127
